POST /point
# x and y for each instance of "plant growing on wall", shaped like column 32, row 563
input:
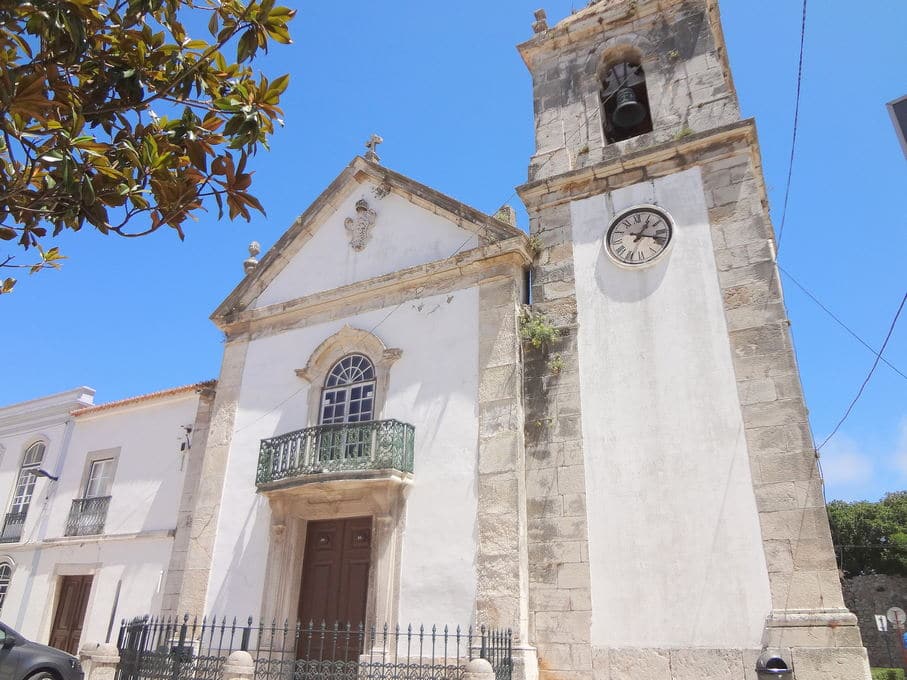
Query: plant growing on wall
column 556, row 363
column 537, row 329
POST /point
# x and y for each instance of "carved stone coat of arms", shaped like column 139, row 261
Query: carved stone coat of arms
column 360, row 227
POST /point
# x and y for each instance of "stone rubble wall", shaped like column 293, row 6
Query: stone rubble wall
column 871, row 595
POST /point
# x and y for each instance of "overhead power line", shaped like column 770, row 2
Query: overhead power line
column 840, row 322
column 793, row 142
column 875, row 363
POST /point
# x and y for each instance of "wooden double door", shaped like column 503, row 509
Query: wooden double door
column 334, row 589
column 69, row 616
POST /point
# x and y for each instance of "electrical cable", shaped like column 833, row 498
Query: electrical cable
column 793, row 143
column 875, row 363
column 840, row 322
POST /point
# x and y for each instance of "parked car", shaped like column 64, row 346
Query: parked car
column 21, row 659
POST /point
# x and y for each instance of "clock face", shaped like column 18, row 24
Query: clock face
column 639, row 235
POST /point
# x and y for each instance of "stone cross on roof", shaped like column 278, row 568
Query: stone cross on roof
column 372, row 145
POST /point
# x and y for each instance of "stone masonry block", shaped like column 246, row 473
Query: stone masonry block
column 500, row 452
column 497, row 485
column 574, row 505
column 573, row 575
column 806, row 590
column 571, row 480
column 778, row 555
column 558, row 529
column 558, row 553
column 831, row 664
column 499, row 417
column 556, row 657
column 580, row 599
column 788, row 495
column 799, row 524
column 779, row 439
column 634, row 664
column 765, row 341
column 779, row 412
column 573, row 626
column 810, row 554
column 497, row 537
column 543, row 573
column 756, row 390
column 786, row 467
column 549, row 599
column 499, row 382
column 545, row 506
column 755, row 315
column 761, row 365
column 706, row 664
column 541, row 482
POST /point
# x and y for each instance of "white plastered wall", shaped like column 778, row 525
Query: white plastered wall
column 137, row 566
column 404, row 235
column 675, row 549
column 134, row 551
column 146, row 439
column 434, row 387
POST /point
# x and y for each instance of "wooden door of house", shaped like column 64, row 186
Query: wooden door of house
column 70, row 614
column 334, row 589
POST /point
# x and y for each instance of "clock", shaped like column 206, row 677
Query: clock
column 638, row 236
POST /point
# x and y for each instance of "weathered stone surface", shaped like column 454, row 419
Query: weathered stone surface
column 706, row 664
column 870, row 595
column 633, row 664
column 831, row 664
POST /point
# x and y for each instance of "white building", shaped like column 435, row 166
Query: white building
column 624, row 474
column 78, row 549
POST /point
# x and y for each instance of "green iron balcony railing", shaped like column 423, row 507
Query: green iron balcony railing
column 372, row 445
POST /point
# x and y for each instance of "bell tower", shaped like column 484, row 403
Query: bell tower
column 676, row 522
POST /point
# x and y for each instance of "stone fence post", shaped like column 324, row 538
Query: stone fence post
column 99, row 660
column 479, row 669
column 239, row 666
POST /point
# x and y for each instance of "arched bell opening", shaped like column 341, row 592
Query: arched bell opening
column 625, row 100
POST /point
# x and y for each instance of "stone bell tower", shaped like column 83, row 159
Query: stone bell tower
column 676, row 521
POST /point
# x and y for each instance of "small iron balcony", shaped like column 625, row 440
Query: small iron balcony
column 87, row 516
column 12, row 527
column 350, row 447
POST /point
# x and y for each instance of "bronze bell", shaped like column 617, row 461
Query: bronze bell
column 628, row 112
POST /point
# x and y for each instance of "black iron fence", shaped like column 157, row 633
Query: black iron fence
column 87, row 516
column 12, row 527
column 184, row 649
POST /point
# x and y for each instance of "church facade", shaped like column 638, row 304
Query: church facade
column 593, row 434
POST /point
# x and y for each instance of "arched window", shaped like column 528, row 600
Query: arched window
column 25, row 484
column 349, row 391
column 6, row 573
column 625, row 100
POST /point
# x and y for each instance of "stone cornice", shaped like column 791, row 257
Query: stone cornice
column 43, row 411
column 590, row 20
column 655, row 161
column 149, row 535
column 461, row 270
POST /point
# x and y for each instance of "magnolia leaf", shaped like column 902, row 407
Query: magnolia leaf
column 80, row 142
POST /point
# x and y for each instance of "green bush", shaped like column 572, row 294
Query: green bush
column 888, row 674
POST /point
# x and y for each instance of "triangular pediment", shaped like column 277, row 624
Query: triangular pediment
column 370, row 222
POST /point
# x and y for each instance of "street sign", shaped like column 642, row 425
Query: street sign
column 897, row 616
column 882, row 623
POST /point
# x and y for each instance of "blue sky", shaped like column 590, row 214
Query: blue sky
column 445, row 87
